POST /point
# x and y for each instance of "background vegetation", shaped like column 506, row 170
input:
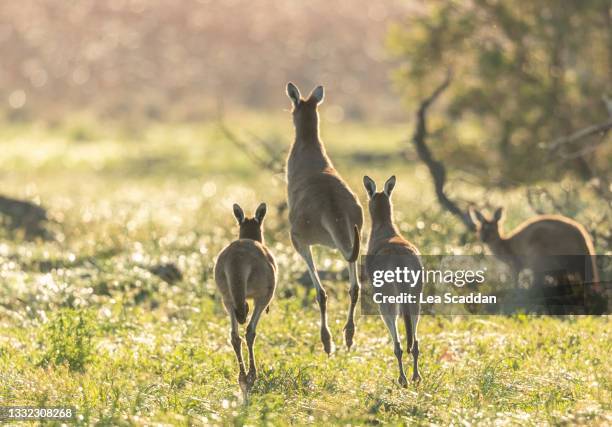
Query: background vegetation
column 526, row 75
column 118, row 180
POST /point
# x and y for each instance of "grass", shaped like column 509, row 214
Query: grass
column 84, row 322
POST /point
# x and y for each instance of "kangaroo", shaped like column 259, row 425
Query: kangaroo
column 246, row 269
column 322, row 208
column 542, row 244
column 387, row 251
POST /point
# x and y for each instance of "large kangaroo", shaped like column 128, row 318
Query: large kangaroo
column 322, row 208
column 543, row 243
column 387, row 251
column 246, row 269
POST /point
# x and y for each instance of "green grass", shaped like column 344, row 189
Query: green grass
column 83, row 321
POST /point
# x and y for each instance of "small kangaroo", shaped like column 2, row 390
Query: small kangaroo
column 322, row 208
column 543, row 243
column 246, row 269
column 388, row 250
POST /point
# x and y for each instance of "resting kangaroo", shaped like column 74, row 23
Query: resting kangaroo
column 322, row 208
column 387, row 251
column 246, row 269
column 540, row 244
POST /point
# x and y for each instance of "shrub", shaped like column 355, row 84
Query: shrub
column 66, row 339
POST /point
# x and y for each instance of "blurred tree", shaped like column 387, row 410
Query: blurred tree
column 526, row 73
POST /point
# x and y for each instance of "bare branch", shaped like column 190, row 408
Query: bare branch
column 261, row 151
column 536, row 195
column 436, row 168
column 601, row 128
column 561, row 149
column 587, row 149
column 531, row 200
column 271, row 159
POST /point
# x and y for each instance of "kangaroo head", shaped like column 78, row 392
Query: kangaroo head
column 251, row 228
column 379, row 204
column 488, row 230
column 305, row 110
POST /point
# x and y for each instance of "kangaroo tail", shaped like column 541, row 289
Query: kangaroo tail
column 408, row 326
column 345, row 236
column 242, row 312
column 237, row 286
column 356, row 244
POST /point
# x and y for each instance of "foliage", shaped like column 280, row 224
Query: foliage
column 525, row 74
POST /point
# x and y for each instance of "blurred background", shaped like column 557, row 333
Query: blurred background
column 525, row 74
column 175, row 60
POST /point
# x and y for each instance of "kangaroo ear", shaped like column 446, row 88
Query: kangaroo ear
column 260, row 213
column 498, row 214
column 389, row 186
column 293, row 93
column 476, row 216
column 318, row 93
column 238, row 213
column 369, row 185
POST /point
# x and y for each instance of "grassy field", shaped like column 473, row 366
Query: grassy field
column 84, row 322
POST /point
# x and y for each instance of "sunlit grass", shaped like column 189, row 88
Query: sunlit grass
column 121, row 203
